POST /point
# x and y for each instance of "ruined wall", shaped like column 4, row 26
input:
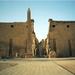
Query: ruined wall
column 61, row 37
column 18, row 35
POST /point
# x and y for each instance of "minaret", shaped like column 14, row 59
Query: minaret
column 28, row 14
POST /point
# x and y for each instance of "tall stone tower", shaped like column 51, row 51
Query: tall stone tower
column 28, row 14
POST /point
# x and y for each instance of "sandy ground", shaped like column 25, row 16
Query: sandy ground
column 38, row 67
column 4, row 65
column 68, row 65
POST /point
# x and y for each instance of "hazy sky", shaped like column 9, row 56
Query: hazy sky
column 42, row 10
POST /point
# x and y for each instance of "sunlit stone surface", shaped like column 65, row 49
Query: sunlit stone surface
column 39, row 66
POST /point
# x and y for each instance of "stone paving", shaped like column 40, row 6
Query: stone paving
column 68, row 65
column 6, row 65
column 35, row 67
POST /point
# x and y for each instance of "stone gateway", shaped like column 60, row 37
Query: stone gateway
column 18, row 39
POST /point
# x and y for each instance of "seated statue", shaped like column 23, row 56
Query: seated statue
column 51, row 54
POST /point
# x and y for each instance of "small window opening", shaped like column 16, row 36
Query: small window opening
column 12, row 26
column 68, row 26
column 53, row 26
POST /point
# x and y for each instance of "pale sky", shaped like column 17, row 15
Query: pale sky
column 42, row 10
